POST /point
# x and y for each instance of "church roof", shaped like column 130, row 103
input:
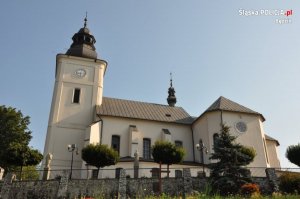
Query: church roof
column 224, row 104
column 143, row 110
column 271, row 139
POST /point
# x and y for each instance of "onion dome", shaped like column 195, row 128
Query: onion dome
column 171, row 98
column 83, row 43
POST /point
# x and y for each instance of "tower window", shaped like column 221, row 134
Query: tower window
column 76, row 96
column 115, row 143
column 147, row 148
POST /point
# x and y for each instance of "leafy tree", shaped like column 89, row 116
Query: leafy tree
column 23, row 156
column 29, row 173
column 99, row 155
column 228, row 174
column 14, row 140
column 165, row 152
column 293, row 154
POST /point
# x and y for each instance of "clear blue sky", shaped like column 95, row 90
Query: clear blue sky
column 209, row 47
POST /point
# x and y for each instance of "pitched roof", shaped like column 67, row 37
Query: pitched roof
column 224, row 104
column 271, row 139
column 142, row 110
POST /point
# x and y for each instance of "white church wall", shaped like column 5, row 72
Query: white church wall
column 60, row 139
column 73, row 114
column 209, row 124
column 204, row 128
column 253, row 137
column 147, row 129
column 144, row 170
column 92, row 135
column 272, row 151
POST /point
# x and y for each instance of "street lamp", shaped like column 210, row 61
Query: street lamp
column 72, row 148
column 200, row 147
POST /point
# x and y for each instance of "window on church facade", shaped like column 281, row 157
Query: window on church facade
column 178, row 143
column 118, row 172
column 95, row 174
column 146, row 148
column 115, row 143
column 76, row 96
column 215, row 137
column 178, row 174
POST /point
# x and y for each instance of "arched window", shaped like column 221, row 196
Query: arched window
column 115, row 143
column 146, row 148
column 215, row 138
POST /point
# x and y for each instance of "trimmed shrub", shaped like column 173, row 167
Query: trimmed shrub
column 293, row 154
column 290, row 182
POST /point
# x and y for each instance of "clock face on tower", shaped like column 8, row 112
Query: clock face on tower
column 80, row 73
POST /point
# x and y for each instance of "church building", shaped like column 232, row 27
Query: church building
column 80, row 115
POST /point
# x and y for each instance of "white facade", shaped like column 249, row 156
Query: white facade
column 69, row 120
column 80, row 115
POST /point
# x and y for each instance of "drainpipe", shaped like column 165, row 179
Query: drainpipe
column 221, row 118
column 193, row 143
column 101, row 130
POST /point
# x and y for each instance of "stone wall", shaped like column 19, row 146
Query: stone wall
column 107, row 188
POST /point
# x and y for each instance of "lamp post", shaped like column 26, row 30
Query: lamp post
column 201, row 148
column 72, row 148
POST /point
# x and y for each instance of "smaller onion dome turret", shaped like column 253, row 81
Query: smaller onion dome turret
column 171, row 98
column 83, row 43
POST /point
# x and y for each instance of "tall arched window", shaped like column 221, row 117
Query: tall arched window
column 215, row 138
column 115, row 143
column 146, row 148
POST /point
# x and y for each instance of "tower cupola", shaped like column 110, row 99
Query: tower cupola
column 171, row 98
column 83, row 43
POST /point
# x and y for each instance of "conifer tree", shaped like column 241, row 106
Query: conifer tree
column 228, row 173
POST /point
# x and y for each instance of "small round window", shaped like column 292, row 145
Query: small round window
column 241, row 127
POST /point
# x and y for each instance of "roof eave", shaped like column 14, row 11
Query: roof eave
column 210, row 111
column 173, row 122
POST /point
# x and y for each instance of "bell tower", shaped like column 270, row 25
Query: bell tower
column 77, row 90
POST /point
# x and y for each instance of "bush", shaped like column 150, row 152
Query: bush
column 293, row 154
column 290, row 183
column 249, row 189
